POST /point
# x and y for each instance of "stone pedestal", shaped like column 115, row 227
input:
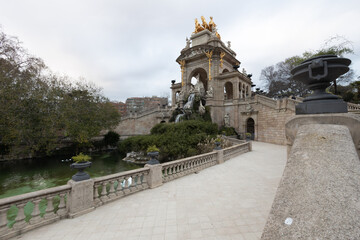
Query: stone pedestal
column 220, row 156
column 321, row 106
column 352, row 121
column 80, row 200
column 318, row 196
column 200, row 38
column 154, row 178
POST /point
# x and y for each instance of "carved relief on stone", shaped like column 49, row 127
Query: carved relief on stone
column 227, row 120
column 210, row 93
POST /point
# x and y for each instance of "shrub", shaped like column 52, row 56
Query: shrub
column 152, row 148
column 111, row 138
column 174, row 140
column 81, row 158
column 227, row 131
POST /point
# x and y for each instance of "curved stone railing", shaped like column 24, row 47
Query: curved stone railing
column 182, row 167
column 22, row 213
column 234, row 140
column 111, row 187
column 236, row 150
column 352, row 107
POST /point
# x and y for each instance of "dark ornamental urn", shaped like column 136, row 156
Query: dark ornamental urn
column 317, row 73
column 80, row 175
column 153, row 159
column 217, row 146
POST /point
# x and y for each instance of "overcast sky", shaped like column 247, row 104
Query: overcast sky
column 129, row 48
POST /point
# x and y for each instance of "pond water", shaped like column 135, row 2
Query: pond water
column 23, row 176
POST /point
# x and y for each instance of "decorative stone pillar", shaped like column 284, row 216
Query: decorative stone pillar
column 154, row 178
column 81, row 196
column 220, row 156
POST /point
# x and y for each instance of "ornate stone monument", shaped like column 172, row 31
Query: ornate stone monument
column 211, row 61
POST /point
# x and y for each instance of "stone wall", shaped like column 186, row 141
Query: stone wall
column 141, row 124
column 271, row 123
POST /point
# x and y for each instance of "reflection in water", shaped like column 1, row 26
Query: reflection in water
column 18, row 177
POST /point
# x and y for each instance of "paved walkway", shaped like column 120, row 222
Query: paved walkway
column 227, row 201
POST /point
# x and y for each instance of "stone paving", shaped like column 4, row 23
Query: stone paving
column 227, row 201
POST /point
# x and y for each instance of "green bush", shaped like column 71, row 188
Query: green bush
column 174, row 140
column 227, row 131
column 152, row 148
column 111, row 138
column 81, row 158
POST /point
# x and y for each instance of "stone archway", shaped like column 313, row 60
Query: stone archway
column 250, row 127
column 203, row 76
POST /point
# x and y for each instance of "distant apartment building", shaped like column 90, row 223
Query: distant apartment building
column 120, row 106
column 139, row 104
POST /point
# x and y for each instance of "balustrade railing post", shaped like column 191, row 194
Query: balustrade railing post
column 81, row 197
column 97, row 200
column 20, row 218
column 138, row 181
column 112, row 189
column 62, row 207
column 250, row 146
column 144, row 183
column 3, row 221
column 119, row 189
column 126, row 186
column 49, row 212
column 154, row 178
column 220, row 156
column 104, row 196
column 35, row 215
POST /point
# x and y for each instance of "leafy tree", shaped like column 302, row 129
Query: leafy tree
column 278, row 78
column 111, row 138
column 85, row 112
column 38, row 108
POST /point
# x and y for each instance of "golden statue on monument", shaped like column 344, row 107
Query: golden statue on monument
column 211, row 26
column 198, row 27
column 204, row 23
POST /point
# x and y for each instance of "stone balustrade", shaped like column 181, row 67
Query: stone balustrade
column 111, row 187
column 182, row 167
column 236, row 150
column 24, row 212
column 352, row 107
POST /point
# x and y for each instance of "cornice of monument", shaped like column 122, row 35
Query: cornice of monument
column 198, row 51
column 228, row 75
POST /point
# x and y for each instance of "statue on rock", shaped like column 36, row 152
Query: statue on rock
column 199, row 87
column 210, row 93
